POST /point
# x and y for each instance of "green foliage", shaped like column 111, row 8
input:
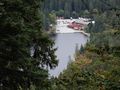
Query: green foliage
column 52, row 17
column 98, row 67
column 81, row 49
column 60, row 13
column 85, row 8
column 20, row 30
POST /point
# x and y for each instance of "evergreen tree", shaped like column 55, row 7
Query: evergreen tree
column 20, row 29
column 81, row 49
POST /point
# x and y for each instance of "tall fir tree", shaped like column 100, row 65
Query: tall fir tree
column 20, row 30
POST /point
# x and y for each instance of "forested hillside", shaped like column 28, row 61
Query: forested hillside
column 26, row 52
column 97, row 65
column 75, row 8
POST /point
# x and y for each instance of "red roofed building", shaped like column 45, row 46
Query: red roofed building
column 76, row 26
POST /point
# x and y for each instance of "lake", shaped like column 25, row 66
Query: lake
column 66, row 45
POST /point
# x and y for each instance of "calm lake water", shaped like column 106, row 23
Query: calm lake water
column 66, row 44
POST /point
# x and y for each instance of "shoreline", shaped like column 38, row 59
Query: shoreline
column 86, row 34
column 61, row 26
column 66, row 30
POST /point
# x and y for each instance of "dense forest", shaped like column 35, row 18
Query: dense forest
column 22, row 24
column 71, row 7
column 75, row 9
column 26, row 52
column 97, row 65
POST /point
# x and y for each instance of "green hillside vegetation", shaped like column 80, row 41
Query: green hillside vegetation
column 75, row 8
column 97, row 65
column 22, row 29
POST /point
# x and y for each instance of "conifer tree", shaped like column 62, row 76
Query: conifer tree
column 20, row 30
